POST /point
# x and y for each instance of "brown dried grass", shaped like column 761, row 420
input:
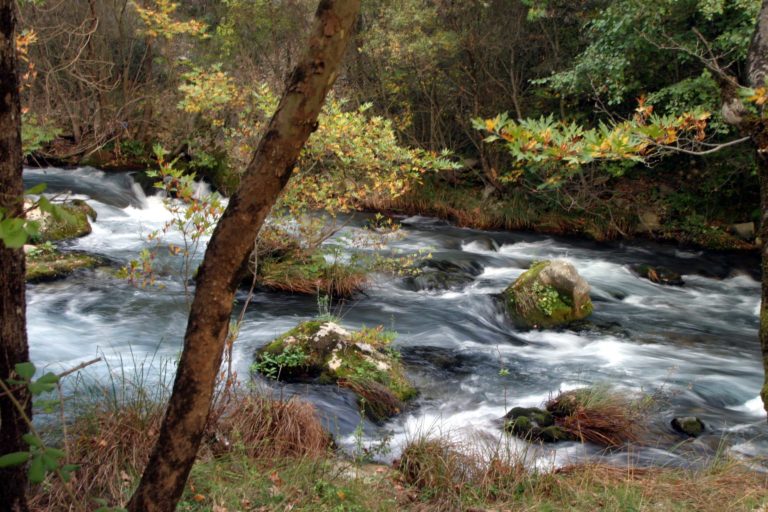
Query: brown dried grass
column 598, row 415
column 112, row 445
column 451, row 473
column 722, row 485
column 265, row 428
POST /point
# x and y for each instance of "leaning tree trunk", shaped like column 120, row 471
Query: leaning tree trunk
column 13, row 332
column 229, row 250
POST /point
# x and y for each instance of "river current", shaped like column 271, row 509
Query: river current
column 695, row 346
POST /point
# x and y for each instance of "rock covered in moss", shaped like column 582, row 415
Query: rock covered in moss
column 323, row 352
column 75, row 224
column 688, row 425
column 549, row 294
column 534, row 424
column 48, row 263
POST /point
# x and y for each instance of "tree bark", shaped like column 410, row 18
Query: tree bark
column 228, row 251
column 13, row 331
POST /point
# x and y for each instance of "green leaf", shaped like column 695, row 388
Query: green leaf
column 14, row 459
column 48, row 406
column 32, row 228
column 37, row 189
column 55, row 453
column 32, row 440
column 49, row 378
column 25, row 370
column 12, row 233
column 36, row 472
column 38, row 388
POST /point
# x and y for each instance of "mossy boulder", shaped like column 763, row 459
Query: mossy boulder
column 323, row 352
column 535, row 424
column 688, row 425
column 549, row 294
column 48, row 264
column 74, row 224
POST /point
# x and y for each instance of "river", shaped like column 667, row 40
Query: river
column 695, row 345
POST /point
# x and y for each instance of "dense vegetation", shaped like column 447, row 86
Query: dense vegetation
column 199, row 78
column 601, row 118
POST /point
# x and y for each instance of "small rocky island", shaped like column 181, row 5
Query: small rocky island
column 323, row 352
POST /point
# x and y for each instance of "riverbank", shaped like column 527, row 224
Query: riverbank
column 635, row 210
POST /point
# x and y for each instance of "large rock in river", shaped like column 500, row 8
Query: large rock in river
column 74, row 223
column 323, row 352
column 549, row 294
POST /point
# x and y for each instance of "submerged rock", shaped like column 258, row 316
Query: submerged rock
column 48, row 264
column 549, row 294
column 444, row 275
column 688, row 425
column 484, row 243
column 74, row 225
column 660, row 275
column 323, row 352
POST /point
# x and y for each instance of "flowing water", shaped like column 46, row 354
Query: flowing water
column 695, row 345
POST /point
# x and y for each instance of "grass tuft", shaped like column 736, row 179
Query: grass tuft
column 598, row 415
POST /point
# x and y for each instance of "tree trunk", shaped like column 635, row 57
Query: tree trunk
column 229, row 250
column 13, row 332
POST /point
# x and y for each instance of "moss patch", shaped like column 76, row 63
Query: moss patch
column 323, row 352
column 49, row 265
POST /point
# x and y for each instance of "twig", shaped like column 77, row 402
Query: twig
column 79, row 367
column 706, row 152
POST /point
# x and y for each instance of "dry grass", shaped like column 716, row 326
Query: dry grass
column 597, row 415
column 481, row 475
column 450, row 473
column 724, row 485
column 112, row 445
column 271, row 429
column 284, row 265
